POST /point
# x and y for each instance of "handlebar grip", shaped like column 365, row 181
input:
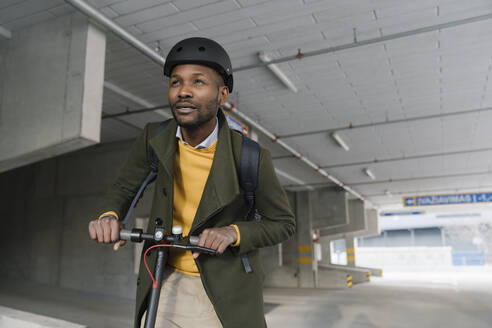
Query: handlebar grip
column 132, row 235
column 194, row 240
column 206, row 250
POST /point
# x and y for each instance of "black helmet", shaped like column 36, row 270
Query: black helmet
column 201, row 51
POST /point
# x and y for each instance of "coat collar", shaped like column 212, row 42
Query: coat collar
column 222, row 185
column 164, row 145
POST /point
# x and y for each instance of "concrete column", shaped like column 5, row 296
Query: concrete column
column 51, row 87
column 350, row 250
column 304, row 239
column 325, row 249
column 443, row 237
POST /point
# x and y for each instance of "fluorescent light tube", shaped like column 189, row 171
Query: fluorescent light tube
column 5, row 33
column 278, row 72
column 340, row 141
column 294, row 179
column 369, row 173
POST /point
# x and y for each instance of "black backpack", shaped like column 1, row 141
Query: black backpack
column 248, row 180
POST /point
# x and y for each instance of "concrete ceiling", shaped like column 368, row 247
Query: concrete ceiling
column 419, row 106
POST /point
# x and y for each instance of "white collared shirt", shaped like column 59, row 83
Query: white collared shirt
column 212, row 137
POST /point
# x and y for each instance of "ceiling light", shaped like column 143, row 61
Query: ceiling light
column 340, row 141
column 277, row 71
column 369, row 173
column 4, row 33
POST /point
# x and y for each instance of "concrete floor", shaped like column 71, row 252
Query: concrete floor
column 95, row 311
column 397, row 300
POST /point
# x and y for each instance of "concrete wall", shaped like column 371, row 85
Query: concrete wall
column 330, row 208
column 280, row 264
column 405, row 258
column 51, row 87
column 277, row 275
column 356, row 221
column 44, row 215
column 3, row 57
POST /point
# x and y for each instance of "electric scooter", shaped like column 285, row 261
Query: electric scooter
column 161, row 240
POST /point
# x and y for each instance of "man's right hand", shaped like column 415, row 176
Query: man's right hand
column 106, row 230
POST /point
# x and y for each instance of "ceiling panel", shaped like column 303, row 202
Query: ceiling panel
column 434, row 73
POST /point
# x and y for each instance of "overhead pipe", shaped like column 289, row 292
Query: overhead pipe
column 93, row 13
column 119, row 31
column 403, row 120
column 429, row 177
column 358, row 43
column 405, row 158
column 484, row 188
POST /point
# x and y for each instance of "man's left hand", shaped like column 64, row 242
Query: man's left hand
column 217, row 238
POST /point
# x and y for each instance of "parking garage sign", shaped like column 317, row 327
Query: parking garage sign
column 469, row 198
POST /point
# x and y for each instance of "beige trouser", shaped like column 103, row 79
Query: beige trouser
column 183, row 303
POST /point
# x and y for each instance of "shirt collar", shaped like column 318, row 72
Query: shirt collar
column 212, row 137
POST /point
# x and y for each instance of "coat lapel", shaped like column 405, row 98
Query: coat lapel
column 222, row 185
column 164, row 146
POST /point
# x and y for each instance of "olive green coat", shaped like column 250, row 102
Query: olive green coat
column 236, row 295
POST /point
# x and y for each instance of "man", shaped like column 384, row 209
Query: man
column 197, row 187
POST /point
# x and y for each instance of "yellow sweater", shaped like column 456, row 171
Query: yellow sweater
column 191, row 170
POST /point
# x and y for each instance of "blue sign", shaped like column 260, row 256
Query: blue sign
column 470, row 198
column 402, row 213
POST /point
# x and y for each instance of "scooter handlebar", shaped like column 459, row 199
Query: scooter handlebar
column 186, row 243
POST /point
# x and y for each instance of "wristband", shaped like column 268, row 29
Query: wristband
column 238, row 241
column 109, row 213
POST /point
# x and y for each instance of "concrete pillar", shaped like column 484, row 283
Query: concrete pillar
column 350, row 250
column 51, row 87
column 304, row 239
column 326, row 249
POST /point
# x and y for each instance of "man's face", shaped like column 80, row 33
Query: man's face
column 195, row 94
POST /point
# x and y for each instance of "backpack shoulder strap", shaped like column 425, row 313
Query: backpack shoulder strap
column 248, row 172
column 155, row 161
column 248, row 180
column 154, row 165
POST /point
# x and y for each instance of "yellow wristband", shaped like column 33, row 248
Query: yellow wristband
column 238, row 241
column 109, row 213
